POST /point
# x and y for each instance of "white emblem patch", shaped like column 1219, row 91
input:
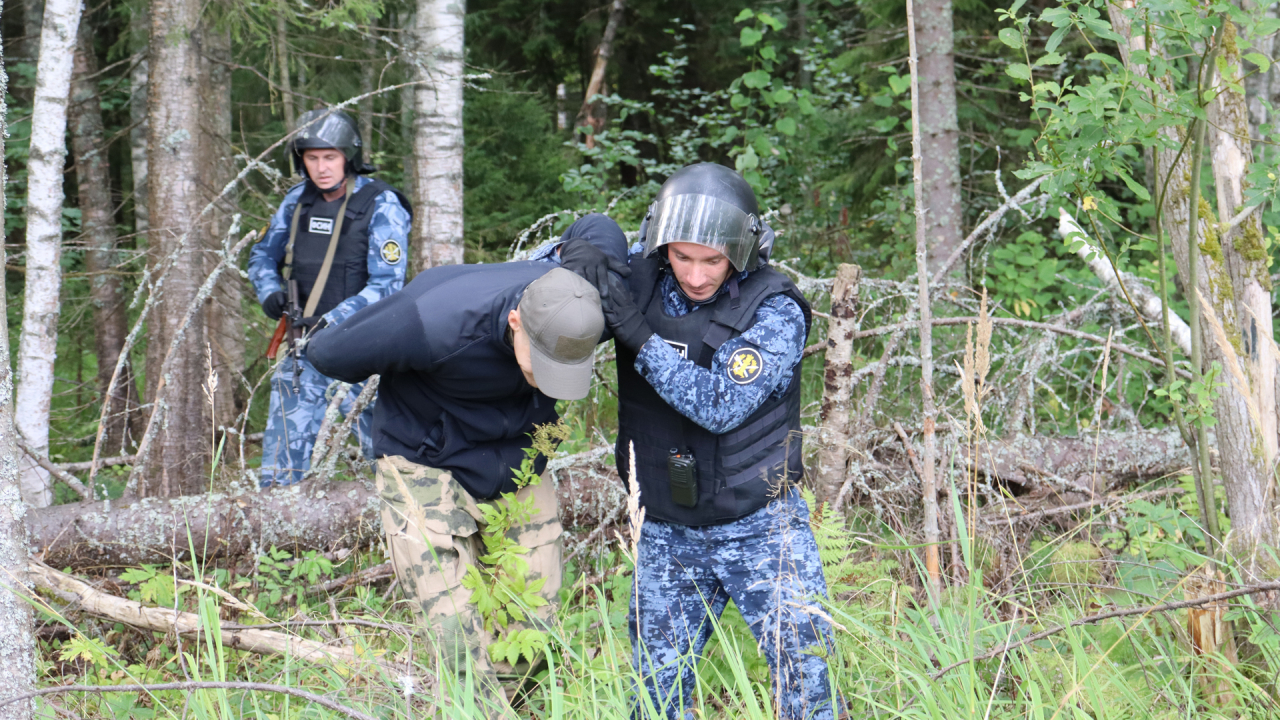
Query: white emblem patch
column 321, row 225
column 391, row 252
column 745, row 365
column 680, row 347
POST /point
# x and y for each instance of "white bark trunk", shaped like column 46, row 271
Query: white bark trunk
column 282, row 63
column 437, row 134
column 1246, row 475
column 1242, row 247
column 1147, row 302
column 837, row 383
column 17, row 643
column 38, row 344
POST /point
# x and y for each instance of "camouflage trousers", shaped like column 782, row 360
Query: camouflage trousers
column 294, row 419
column 768, row 564
column 433, row 530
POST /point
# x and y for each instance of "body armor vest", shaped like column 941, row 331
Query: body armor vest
column 738, row 472
column 350, row 271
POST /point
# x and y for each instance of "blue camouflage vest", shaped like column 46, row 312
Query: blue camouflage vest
column 738, row 471
column 350, row 271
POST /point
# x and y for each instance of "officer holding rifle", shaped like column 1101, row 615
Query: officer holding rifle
column 337, row 243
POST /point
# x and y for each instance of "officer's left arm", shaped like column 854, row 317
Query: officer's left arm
column 388, row 257
column 744, row 371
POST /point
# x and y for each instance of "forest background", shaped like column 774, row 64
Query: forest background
column 1011, row 218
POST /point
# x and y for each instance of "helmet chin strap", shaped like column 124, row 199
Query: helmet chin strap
column 339, row 184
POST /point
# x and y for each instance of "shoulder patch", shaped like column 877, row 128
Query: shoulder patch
column 391, row 252
column 745, row 365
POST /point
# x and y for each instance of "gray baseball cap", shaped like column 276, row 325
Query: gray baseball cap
column 561, row 313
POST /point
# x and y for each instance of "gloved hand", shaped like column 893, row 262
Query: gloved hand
column 623, row 316
column 314, row 324
column 589, row 261
column 273, row 306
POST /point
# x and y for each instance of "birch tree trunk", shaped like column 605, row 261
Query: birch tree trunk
column 176, row 464
column 17, row 639
column 1241, row 448
column 939, row 130
column 437, row 134
column 38, row 343
column 97, row 221
column 139, row 25
column 593, row 113
column 224, row 314
column 837, row 383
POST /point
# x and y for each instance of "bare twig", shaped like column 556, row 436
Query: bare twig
column 67, row 478
column 188, row 686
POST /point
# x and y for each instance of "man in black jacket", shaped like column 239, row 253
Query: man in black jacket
column 471, row 359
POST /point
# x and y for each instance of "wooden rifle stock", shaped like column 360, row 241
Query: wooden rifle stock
column 277, row 337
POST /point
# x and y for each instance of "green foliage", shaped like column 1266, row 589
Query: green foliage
column 153, row 586
column 91, row 650
column 835, row 544
column 1196, row 397
column 501, row 589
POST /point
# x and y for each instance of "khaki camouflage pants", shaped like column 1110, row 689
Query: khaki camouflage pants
column 436, row 536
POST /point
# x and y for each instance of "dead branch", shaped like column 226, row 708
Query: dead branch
column 165, row 620
column 67, row 478
column 188, row 686
column 1123, row 612
column 1064, row 509
column 1029, row 324
column 1028, row 460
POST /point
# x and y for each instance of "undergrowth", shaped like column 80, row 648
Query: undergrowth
column 891, row 648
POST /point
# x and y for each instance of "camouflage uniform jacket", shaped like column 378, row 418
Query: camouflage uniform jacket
column 389, row 224
column 708, row 397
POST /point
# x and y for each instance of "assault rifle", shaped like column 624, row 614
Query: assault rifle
column 290, row 326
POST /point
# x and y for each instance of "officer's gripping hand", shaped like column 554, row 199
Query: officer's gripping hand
column 623, row 316
column 273, row 306
column 580, row 256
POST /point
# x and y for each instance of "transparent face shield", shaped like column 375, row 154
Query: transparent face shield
column 707, row 221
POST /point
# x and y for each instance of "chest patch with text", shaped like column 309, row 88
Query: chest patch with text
column 745, row 365
column 321, row 225
column 680, row 347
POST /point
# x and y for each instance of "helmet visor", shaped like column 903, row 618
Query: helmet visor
column 706, row 221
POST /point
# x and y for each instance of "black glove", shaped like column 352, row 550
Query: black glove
column 589, row 261
column 315, row 323
column 273, row 306
column 623, row 316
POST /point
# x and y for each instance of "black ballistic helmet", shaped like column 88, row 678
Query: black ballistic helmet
column 324, row 129
column 710, row 205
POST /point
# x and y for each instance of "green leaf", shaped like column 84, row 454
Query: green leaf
column 750, row 36
column 1018, row 71
column 768, row 53
column 786, row 126
column 739, row 101
column 756, row 79
column 806, row 107
column 771, row 21
column 1011, row 37
column 899, row 84
column 748, row 160
column 1056, row 38
column 746, row 14
column 1052, row 59
column 783, row 96
column 1260, row 60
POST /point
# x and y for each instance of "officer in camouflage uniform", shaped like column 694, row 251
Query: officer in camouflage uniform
column 709, row 345
column 353, row 230
column 472, row 358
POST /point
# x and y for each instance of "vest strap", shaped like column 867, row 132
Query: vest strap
column 318, row 289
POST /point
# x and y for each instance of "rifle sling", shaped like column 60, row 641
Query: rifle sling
column 314, row 298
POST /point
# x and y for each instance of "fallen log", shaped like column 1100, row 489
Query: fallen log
column 321, row 515
column 1082, row 464
column 307, row 516
column 166, row 620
